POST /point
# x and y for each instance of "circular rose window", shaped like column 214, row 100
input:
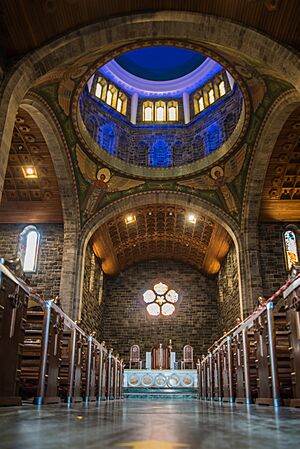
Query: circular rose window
column 160, row 300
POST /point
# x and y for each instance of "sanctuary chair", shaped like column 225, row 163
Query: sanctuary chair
column 135, row 357
column 188, row 356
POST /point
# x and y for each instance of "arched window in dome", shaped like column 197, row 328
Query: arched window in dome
column 28, row 248
column 160, row 111
column 221, row 88
column 160, row 154
column 290, row 248
column 213, row 139
column 148, row 111
column 108, row 139
column 101, row 87
column 201, row 104
column 172, row 111
column 110, row 95
column 211, row 96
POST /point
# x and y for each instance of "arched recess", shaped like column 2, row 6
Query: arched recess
column 177, row 199
column 110, row 34
column 69, row 201
column 262, row 152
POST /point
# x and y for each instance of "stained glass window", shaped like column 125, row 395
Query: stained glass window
column 30, row 239
column 222, row 90
column 291, row 249
column 160, row 111
column 148, row 111
column 211, row 96
column 201, row 104
column 160, row 300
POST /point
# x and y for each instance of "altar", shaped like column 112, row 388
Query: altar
column 166, row 382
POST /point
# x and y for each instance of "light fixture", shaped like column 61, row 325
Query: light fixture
column 29, row 171
column 192, row 218
column 130, row 218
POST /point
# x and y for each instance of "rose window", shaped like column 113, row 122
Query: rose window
column 160, row 300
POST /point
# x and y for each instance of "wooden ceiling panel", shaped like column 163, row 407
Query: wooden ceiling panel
column 281, row 193
column 161, row 232
column 30, row 200
column 28, row 25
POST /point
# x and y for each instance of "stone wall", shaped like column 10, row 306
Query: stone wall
column 228, row 288
column 46, row 279
column 92, row 304
column 271, row 256
column 126, row 321
column 172, row 144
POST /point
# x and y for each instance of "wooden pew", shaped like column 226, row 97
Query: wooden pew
column 13, row 306
column 292, row 297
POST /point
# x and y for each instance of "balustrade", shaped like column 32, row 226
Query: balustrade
column 46, row 355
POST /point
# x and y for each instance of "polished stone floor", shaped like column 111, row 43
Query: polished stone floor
column 149, row 424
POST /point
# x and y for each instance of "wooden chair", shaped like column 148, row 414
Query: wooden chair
column 135, row 356
column 188, row 356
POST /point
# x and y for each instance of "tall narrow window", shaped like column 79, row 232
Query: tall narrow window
column 99, row 89
column 172, row 111
column 201, row 104
column 100, row 292
column 109, row 96
column 148, row 111
column 160, row 111
column 291, row 249
column 30, row 242
column 222, row 90
column 119, row 105
column 92, row 272
column 211, row 96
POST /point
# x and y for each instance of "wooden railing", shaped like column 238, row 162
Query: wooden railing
column 259, row 360
column 46, row 355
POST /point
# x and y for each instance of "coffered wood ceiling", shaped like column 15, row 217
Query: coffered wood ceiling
column 161, row 232
column 27, row 200
column 26, row 25
column 281, row 193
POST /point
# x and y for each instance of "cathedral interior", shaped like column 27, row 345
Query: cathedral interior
column 149, row 224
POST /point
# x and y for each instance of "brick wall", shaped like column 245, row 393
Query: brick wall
column 47, row 277
column 126, row 321
column 92, row 304
column 183, row 144
column 228, row 288
column 271, row 255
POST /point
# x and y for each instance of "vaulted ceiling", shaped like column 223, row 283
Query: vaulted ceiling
column 281, row 193
column 31, row 199
column 161, row 232
column 24, row 28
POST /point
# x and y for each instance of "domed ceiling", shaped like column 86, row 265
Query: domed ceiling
column 160, row 63
column 155, row 108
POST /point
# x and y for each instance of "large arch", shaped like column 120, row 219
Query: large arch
column 63, row 168
column 109, row 34
column 262, row 152
column 162, row 197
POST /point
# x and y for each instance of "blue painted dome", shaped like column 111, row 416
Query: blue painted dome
column 160, row 63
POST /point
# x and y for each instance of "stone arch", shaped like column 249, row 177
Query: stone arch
column 262, row 153
column 63, row 169
column 109, row 34
column 176, row 198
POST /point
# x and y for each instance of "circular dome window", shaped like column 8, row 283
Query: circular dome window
column 153, row 109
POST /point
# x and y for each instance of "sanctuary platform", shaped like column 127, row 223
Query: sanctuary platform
column 160, row 383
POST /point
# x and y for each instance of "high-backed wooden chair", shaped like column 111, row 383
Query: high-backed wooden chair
column 188, row 356
column 135, row 357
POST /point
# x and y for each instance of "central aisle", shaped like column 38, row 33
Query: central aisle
column 149, row 424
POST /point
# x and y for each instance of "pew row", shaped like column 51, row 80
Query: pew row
column 259, row 360
column 46, row 356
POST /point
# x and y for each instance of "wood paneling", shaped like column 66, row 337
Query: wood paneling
column 26, row 25
column 161, row 232
column 26, row 200
column 281, row 193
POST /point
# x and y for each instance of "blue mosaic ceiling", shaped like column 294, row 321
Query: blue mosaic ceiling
column 160, row 63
